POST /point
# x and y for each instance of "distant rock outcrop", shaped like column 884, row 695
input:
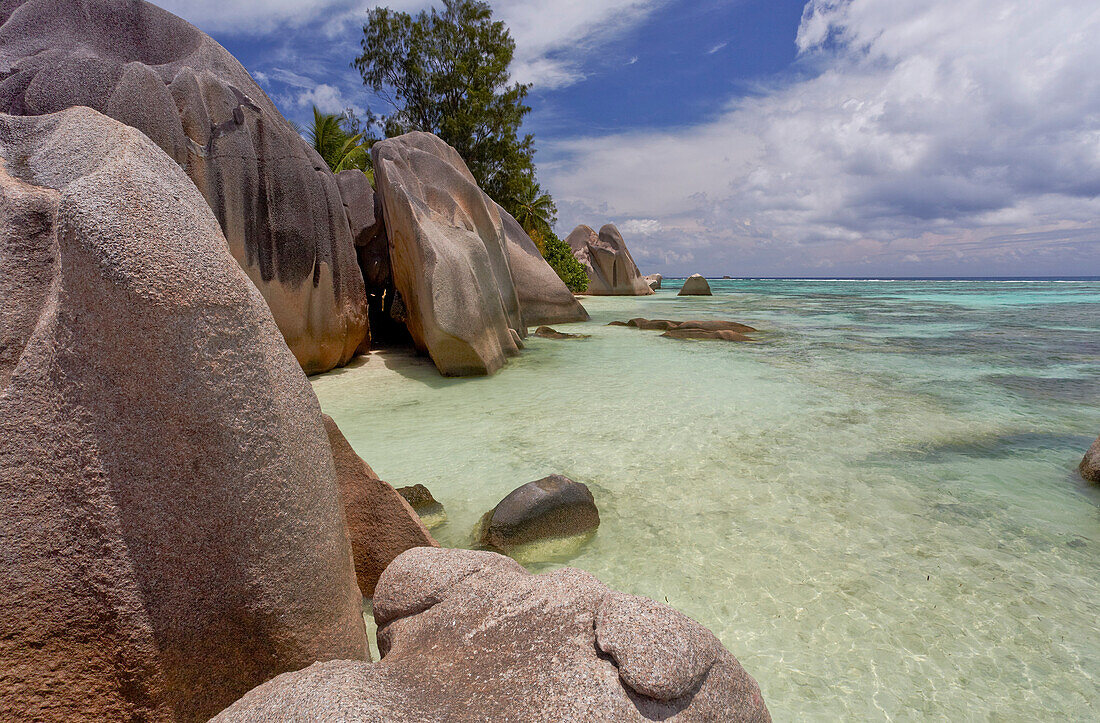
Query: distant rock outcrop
column 704, row 335
column 171, row 529
column 550, row 508
column 610, row 267
column 472, row 636
column 708, row 325
column 654, row 281
column 381, row 524
column 1090, row 465
column 543, row 296
column 276, row 200
column 448, row 256
column 695, row 285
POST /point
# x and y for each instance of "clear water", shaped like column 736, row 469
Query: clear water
column 875, row 506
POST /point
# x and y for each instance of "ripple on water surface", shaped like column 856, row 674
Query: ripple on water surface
column 874, row 506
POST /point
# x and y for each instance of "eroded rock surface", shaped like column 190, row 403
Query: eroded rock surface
column 654, row 281
column 431, row 511
column 548, row 333
column 695, row 285
column 171, row 532
column 704, row 335
column 277, row 203
column 381, row 523
column 471, row 636
column 543, row 296
column 1090, row 465
column 448, row 256
column 610, row 267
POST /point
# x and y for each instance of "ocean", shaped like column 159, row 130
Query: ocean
column 874, row 505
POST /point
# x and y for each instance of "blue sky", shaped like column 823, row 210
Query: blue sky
column 774, row 137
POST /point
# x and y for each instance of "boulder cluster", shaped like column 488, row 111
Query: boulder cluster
column 179, row 523
column 607, row 261
column 314, row 244
column 714, row 329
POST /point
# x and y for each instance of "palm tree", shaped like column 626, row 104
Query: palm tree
column 534, row 210
column 340, row 149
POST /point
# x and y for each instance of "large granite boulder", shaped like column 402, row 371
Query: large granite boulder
column 553, row 507
column 1090, row 465
column 448, row 256
column 381, row 524
column 543, row 296
column 695, row 285
column 171, row 533
column 610, row 267
column 472, row 636
column 654, row 281
column 276, row 200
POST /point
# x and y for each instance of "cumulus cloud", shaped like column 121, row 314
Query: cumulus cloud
column 641, row 226
column 553, row 37
column 928, row 129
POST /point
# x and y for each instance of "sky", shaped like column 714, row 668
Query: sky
column 860, row 138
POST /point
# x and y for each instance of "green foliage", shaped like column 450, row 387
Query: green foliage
column 561, row 259
column 446, row 72
column 534, row 209
column 337, row 144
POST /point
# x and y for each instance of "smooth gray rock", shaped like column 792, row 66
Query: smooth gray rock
column 1090, row 465
column 278, row 204
column 610, row 267
column 543, row 296
column 171, row 533
column 448, row 256
column 471, row 636
column 695, row 285
column 654, row 281
column 550, row 508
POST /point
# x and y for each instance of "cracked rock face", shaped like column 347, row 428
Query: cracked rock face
column 171, row 532
column 278, row 205
column 448, row 256
column 472, row 636
column 610, row 267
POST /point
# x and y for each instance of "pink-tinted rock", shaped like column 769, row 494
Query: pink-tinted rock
column 610, row 267
column 448, row 256
column 704, row 335
column 472, row 636
column 1090, row 465
column 381, row 524
column 276, row 201
column 171, row 532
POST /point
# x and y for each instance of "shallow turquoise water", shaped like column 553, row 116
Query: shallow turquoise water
column 875, row 506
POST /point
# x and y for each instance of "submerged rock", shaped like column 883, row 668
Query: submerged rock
column 381, row 524
column 547, row 333
column 695, row 285
column 610, row 267
column 172, row 532
column 278, row 205
column 543, row 296
column 1090, row 465
column 448, row 256
column 711, row 325
column 703, row 334
column 472, row 636
column 553, row 507
column 654, row 281
column 431, row 512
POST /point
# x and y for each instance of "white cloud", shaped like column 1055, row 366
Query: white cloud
column 641, row 226
column 553, row 37
column 327, row 98
column 716, row 48
column 931, row 128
